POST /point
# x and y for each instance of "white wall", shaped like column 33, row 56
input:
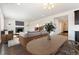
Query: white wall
column 12, row 24
column 1, row 22
column 58, row 26
column 72, row 27
column 40, row 22
column 26, row 26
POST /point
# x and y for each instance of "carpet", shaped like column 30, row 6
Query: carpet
column 69, row 48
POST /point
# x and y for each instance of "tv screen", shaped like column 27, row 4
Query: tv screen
column 19, row 23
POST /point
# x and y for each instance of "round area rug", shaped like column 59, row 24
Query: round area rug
column 43, row 46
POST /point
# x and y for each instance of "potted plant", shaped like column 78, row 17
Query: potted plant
column 49, row 27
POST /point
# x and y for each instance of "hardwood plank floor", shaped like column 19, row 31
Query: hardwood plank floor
column 14, row 50
column 44, row 47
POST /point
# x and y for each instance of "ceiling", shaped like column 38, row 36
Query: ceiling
column 34, row 11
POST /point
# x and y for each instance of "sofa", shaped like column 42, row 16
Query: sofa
column 27, row 37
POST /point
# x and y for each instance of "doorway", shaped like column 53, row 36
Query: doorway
column 62, row 25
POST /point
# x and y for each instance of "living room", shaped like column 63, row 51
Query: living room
column 32, row 19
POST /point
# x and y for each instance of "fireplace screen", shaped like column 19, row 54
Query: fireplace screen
column 77, row 36
column 19, row 29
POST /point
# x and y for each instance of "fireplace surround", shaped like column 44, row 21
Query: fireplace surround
column 77, row 36
column 19, row 29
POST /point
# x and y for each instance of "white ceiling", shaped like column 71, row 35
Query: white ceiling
column 34, row 11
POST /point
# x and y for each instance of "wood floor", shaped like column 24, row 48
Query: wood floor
column 42, row 46
column 19, row 50
column 14, row 50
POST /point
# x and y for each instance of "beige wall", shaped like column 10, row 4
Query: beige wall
column 65, row 25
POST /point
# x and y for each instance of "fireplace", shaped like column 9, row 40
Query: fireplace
column 77, row 36
column 19, row 29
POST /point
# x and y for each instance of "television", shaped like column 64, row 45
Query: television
column 19, row 23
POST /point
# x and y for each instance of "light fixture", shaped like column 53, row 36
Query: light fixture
column 18, row 3
column 48, row 6
column 37, row 25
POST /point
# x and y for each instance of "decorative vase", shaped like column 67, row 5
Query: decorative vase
column 49, row 37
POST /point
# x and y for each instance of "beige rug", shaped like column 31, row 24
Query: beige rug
column 43, row 46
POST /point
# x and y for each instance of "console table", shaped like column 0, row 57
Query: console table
column 6, row 37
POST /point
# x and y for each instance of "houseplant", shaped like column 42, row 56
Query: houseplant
column 49, row 27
